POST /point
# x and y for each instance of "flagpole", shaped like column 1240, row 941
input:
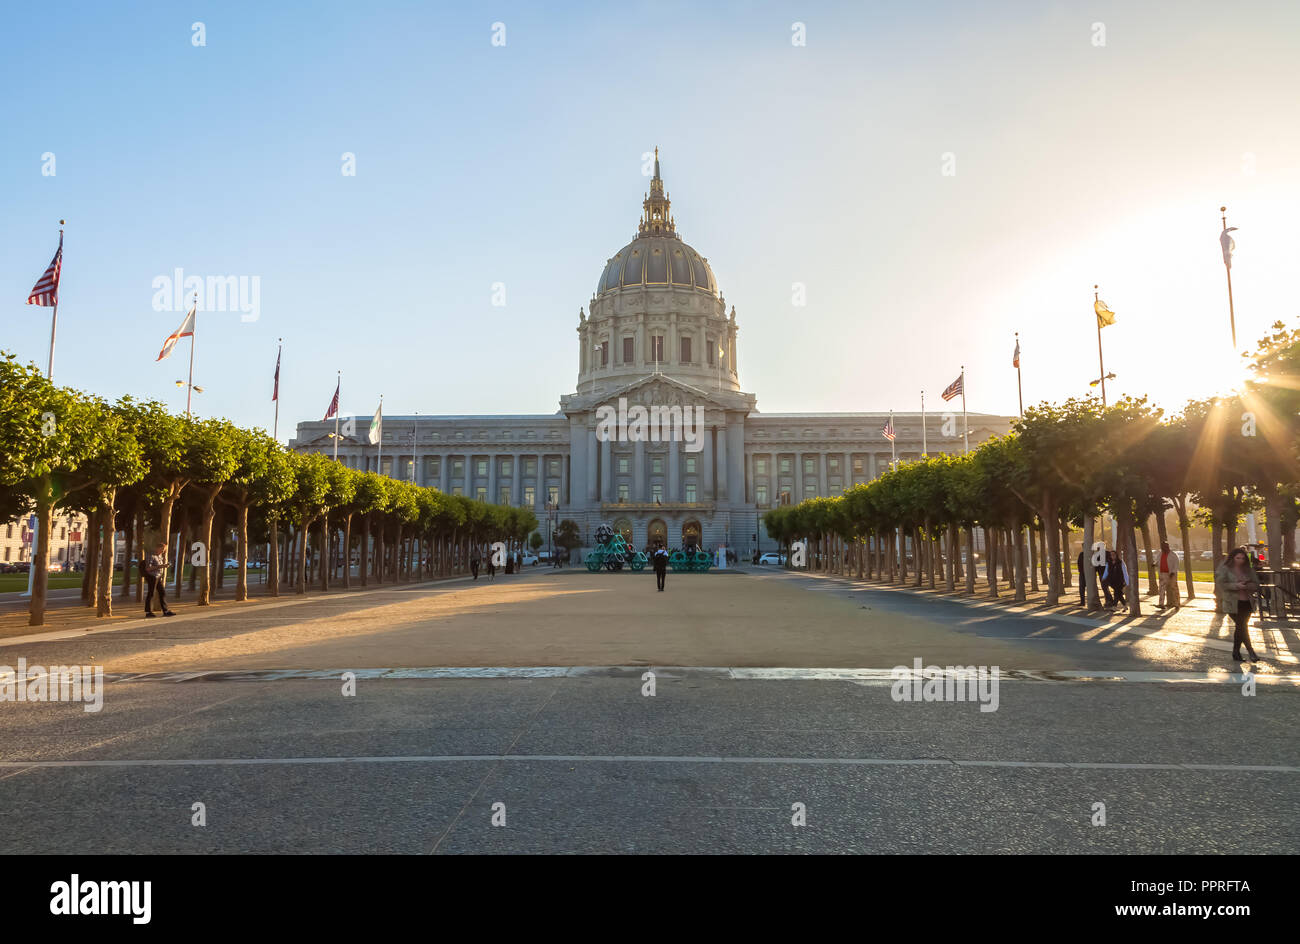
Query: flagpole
column 924, row 448
column 893, row 448
column 338, row 391
column 1020, row 393
column 275, row 428
column 379, row 455
column 54, row 322
column 1100, row 363
column 965, row 426
column 189, row 387
column 1231, row 312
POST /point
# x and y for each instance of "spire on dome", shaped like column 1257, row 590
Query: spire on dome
column 655, row 218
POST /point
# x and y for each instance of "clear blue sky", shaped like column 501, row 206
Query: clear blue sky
column 521, row 164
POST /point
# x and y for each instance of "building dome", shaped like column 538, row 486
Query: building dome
column 657, row 260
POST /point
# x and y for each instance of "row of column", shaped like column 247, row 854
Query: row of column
column 870, row 471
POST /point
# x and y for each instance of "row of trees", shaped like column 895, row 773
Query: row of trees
column 135, row 468
column 1059, row 468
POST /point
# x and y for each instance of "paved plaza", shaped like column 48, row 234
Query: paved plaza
column 772, row 695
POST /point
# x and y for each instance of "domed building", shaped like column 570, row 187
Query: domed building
column 656, row 341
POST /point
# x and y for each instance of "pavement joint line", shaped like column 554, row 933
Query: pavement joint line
column 1010, row 608
column 644, row 759
column 673, row 673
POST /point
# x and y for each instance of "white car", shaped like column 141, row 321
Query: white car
column 529, row 558
column 772, row 557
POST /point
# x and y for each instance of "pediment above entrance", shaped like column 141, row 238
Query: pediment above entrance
column 658, row 390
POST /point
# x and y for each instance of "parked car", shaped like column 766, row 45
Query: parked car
column 530, row 559
column 772, row 557
column 543, row 557
column 1207, row 555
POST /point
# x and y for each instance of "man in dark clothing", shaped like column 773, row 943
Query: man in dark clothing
column 1083, row 584
column 661, row 566
column 155, row 577
column 473, row 564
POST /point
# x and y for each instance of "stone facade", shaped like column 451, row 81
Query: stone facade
column 658, row 336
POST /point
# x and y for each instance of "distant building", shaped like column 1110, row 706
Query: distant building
column 658, row 336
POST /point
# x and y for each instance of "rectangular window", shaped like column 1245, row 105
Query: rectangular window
column 809, row 490
column 481, row 493
column 553, row 467
column 657, row 492
column 458, row 467
column 530, row 467
column 712, row 346
column 507, row 467
column 387, row 468
column 480, row 467
column 833, row 483
column 857, row 465
column 785, row 465
column 624, row 465
column 553, row 495
column 809, row 465
column 690, row 491
column 435, row 466
column 457, row 490
column 657, row 465
column 503, row 495
column 690, row 465
column 63, row 533
column 604, row 353
column 657, row 348
column 686, row 350
column 760, row 495
column 622, row 492
column 833, row 464
column 530, row 496
column 628, row 346
column 760, row 465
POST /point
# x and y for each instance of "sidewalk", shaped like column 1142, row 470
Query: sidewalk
column 1195, row 622
column 65, row 617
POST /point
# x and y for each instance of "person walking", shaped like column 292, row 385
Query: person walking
column 473, row 563
column 1083, row 583
column 660, row 565
column 1102, row 583
column 155, row 577
column 492, row 565
column 1235, row 584
column 1116, row 577
column 1169, row 596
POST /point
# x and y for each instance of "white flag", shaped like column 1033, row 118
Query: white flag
column 1228, row 245
column 186, row 330
column 377, row 425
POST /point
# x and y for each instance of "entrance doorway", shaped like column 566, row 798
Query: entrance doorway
column 656, row 534
column 691, row 533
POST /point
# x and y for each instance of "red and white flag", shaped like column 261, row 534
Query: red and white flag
column 956, row 388
column 1015, row 358
column 46, row 292
column 186, row 330
column 888, row 430
column 275, row 392
column 334, row 404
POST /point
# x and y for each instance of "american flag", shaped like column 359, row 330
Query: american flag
column 46, row 291
column 275, row 392
column 888, row 430
column 334, row 404
column 956, row 388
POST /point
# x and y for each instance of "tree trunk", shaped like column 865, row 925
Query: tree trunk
column 241, row 553
column 273, row 559
column 379, row 553
column 129, row 543
column 108, row 545
column 301, row 563
column 970, row 560
column 326, row 551
column 954, row 558
column 991, row 567
column 931, row 546
column 364, row 550
column 205, row 540
column 1128, row 541
column 140, row 550
column 1065, row 559
column 40, row 560
column 1033, row 558
column 1153, row 581
column 1042, row 554
column 90, row 577
column 1020, row 569
column 1052, row 536
column 1090, row 569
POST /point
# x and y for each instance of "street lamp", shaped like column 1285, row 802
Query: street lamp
column 195, row 387
column 1109, row 376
